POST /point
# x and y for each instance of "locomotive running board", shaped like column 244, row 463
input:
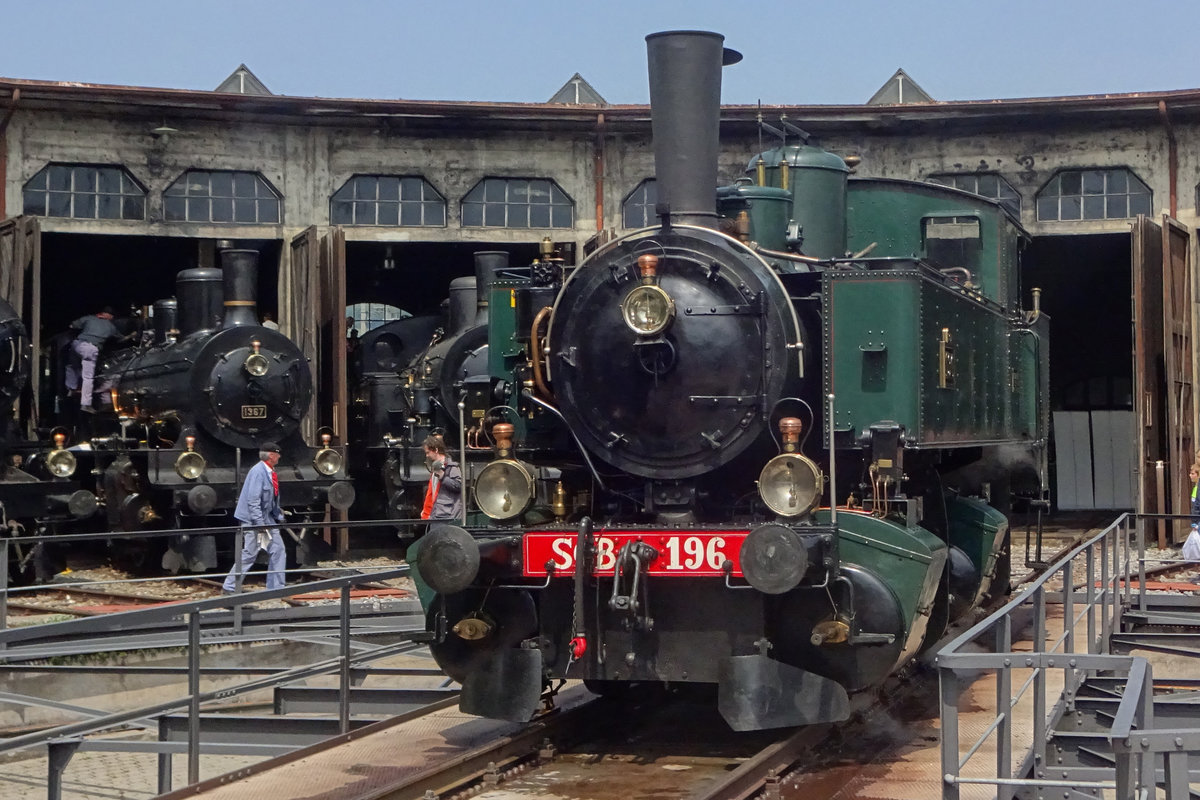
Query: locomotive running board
column 756, row 692
column 507, row 686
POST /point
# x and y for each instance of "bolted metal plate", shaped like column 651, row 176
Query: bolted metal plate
column 507, row 687
column 756, row 692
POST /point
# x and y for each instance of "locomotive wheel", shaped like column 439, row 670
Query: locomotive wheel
column 510, row 610
column 138, row 556
column 625, row 690
column 616, row 690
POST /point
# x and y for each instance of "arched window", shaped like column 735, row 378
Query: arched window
column 387, row 200
column 222, row 196
column 638, row 208
column 85, row 191
column 517, row 203
column 1093, row 194
column 368, row 316
column 985, row 184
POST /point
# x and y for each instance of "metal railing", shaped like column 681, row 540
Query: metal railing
column 192, row 624
column 1094, row 586
column 231, row 533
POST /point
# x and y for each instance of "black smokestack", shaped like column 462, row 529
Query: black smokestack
column 685, row 116
column 240, row 270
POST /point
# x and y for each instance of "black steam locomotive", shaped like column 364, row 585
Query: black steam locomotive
column 763, row 446
column 190, row 409
column 410, row 375
column 39, row 493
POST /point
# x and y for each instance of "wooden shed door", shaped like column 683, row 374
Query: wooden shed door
column 1163, row 368
column 299, row 301
column 332, row 347
column 21, row 286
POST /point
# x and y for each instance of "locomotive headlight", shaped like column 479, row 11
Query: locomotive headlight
column 504, row 489
column 648, row 310
column 256, row 363
column 327, row 461
column 790, row 484
column 190, row 464
column 60, row 461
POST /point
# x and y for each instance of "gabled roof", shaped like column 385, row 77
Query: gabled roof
column 899, row 90
column 578, row 91
column 243, row 81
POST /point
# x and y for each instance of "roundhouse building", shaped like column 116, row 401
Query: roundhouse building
column 369, row 208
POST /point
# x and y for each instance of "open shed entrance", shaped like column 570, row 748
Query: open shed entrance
column 1085, row 282
column 1121, row 366
column 52, row 278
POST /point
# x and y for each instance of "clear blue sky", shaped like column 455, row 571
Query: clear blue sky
column 508, row 50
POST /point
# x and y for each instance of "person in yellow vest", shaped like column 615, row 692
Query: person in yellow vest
column 1194, row 477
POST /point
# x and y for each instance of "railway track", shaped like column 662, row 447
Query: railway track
column 100, row 595
column 654, row 745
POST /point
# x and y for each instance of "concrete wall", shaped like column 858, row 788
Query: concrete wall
column 308, row 160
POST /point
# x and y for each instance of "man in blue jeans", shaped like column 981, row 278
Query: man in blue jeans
column 258, row 504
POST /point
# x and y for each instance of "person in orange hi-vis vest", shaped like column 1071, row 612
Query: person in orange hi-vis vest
column 443, row 494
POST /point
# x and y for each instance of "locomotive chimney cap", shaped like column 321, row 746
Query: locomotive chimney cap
column 729, row 56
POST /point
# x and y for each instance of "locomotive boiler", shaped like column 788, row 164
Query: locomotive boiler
column 195, row 405
column 763, row 446
column 38, row 491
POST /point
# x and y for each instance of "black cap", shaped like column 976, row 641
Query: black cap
column 269, row 447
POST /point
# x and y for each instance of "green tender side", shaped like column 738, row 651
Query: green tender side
column 910, row 560
column 883, row 333
column 978, row 530
column 1031, row 370
column 890, row 214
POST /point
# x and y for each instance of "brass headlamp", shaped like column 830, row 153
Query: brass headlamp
column 60, row 461
column 648, row 309
column 790, row 484
column 256, row 363
column 505, row 487
column 190, row 464
column 327, row 461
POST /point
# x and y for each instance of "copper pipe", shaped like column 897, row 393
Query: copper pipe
column 535, row 345
column 1172, row 156
column 785, row 256
column 598, row 168
column 8, row 115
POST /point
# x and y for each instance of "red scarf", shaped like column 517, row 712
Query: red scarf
column 274, row 480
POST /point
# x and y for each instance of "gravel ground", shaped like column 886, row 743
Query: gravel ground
column 106, row 578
